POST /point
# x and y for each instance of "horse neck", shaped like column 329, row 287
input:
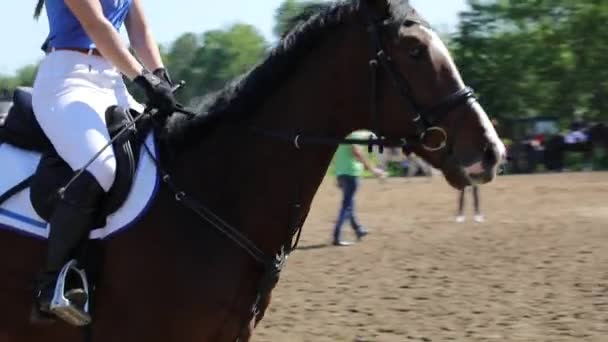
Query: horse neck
column 253, row 181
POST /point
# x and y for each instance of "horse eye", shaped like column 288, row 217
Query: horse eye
column 409, row 23
column 416, row 52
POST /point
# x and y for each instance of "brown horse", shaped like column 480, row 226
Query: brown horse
column 172, row 276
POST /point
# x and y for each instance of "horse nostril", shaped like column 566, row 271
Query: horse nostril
column 490, row 156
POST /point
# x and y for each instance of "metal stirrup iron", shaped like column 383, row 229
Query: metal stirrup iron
column 62, row 306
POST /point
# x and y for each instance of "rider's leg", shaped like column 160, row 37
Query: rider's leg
column 75, row 213
column 70, row 224
column 70, row 105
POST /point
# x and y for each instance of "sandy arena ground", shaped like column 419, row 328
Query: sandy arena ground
column 536, row 270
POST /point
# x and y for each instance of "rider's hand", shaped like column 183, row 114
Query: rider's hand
column 163, row 74
column 158, row 91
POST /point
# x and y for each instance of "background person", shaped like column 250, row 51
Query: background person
column 478, row 216
column 350, row 162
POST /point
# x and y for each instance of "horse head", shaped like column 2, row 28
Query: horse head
column 421, row 97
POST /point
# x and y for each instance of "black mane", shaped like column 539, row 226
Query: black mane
column 245, row 94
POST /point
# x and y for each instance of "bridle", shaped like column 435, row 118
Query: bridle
column 425, row 121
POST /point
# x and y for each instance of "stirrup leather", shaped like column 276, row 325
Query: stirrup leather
column 61, row 306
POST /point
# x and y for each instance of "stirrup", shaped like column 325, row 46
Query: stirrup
column 63, row 307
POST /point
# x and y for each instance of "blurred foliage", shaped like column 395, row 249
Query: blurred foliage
column 24, row 76
column 536, row 57
column 287, row 15
column 209, row 61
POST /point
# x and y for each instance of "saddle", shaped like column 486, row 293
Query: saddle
column 20, row 128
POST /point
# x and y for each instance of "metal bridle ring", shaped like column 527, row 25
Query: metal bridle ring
column 443, row 143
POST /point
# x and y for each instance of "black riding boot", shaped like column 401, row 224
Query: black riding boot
column 70, row 224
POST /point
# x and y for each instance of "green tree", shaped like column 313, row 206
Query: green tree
column 287, row 14
column 210, row 61
column 227, row 54
column 8, row 83
column 181, row 54
column 24, row 77
column 532, row 57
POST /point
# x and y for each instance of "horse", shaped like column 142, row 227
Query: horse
column 201, row 261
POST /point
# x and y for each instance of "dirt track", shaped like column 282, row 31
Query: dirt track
column 537, row 270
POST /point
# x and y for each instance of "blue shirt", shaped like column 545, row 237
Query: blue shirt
column 67, row 32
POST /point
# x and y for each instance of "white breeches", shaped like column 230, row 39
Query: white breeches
column 71, row 94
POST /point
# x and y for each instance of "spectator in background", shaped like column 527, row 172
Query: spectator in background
column 577, row 134
column 416, row 165
column 350, row 162
column 478, row 217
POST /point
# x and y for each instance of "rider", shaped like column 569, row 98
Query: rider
column 80, row 77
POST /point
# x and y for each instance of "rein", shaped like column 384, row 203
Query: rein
column 299, row 140
column 272, row 265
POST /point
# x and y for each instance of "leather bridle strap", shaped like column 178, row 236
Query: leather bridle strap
column 380, row 58
column 454, row 100
column 271, row 265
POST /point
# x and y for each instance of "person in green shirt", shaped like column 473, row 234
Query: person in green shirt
column 350, row 163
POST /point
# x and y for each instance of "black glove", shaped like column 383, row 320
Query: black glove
column 158, row 91
column 163, row 74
